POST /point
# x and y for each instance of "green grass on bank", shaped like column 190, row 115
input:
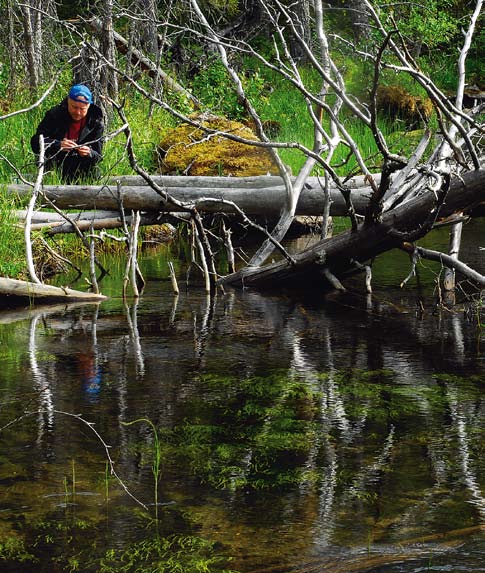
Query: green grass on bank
column 271, row 95
column 12, row 249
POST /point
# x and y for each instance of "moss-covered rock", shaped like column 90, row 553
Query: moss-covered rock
column 188, row 150
column 396, row 102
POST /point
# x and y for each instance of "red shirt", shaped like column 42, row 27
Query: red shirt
column 75, row 129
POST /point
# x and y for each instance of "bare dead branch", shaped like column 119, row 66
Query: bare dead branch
column 450, row 262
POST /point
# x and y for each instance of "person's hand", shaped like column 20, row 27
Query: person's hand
column 84, row 150
column 67, row 144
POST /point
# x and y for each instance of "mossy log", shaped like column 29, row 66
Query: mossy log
column 187, row 149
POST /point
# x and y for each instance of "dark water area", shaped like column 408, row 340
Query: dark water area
column 247, row 432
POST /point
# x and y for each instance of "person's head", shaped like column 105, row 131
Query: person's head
column 79, row 99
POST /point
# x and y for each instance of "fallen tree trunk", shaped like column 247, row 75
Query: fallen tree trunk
column 14, row 292
column 53, row 217
column 114, row 222
column 55, row 223
column 251, row 182
column 347, row 252
column 266, row 201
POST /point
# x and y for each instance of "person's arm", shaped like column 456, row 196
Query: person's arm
column 52, row 144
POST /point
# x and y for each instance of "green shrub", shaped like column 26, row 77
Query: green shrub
column 215, row 89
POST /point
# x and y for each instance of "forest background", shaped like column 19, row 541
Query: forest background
column 46, row 45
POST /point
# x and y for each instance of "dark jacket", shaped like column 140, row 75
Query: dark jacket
column 54, row 127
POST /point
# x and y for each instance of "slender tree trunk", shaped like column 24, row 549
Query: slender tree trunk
column 12, row 47
column 109, row 81
column 360, row 18
column 86, row 71
column 30, row 46
column 303, row 27
column 38, row 35
column 453, row 251
column 148, row 36
column 455, row 234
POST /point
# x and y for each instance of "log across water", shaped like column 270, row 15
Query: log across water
column 338, row 256
column 254, row 195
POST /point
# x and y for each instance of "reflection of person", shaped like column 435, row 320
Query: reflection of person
column 90, row 373
column 73, row 132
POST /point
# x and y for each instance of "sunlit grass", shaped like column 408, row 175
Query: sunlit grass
column 287, row 106
column 16, row 132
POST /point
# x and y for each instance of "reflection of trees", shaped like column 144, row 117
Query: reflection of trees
column 132, row 321
column 334, row 420
column 196, row 364
column 41, row 383
column 467, row 417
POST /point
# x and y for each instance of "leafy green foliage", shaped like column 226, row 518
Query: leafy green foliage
column 257, row 433
column 431, row 25
column 216, row 90
column 13, row 549
column 12, row 250
column 430, row 30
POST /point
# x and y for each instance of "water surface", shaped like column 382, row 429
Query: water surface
column 323, row 432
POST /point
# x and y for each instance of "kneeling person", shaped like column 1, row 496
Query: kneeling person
column 73, row 132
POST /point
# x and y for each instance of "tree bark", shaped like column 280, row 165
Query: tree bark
column 304, row 30
column 31, row 49
column 148, row 32
column 359, row 18
column 109, row 80
column 12, row 47
column 454, row 251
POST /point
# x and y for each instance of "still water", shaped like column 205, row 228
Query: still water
column 247, row 432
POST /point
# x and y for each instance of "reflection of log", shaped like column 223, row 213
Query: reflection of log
column 22, row 292
column 343, row 254
column 16, row 313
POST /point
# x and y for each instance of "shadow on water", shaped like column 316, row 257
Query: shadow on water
column 335, row 433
